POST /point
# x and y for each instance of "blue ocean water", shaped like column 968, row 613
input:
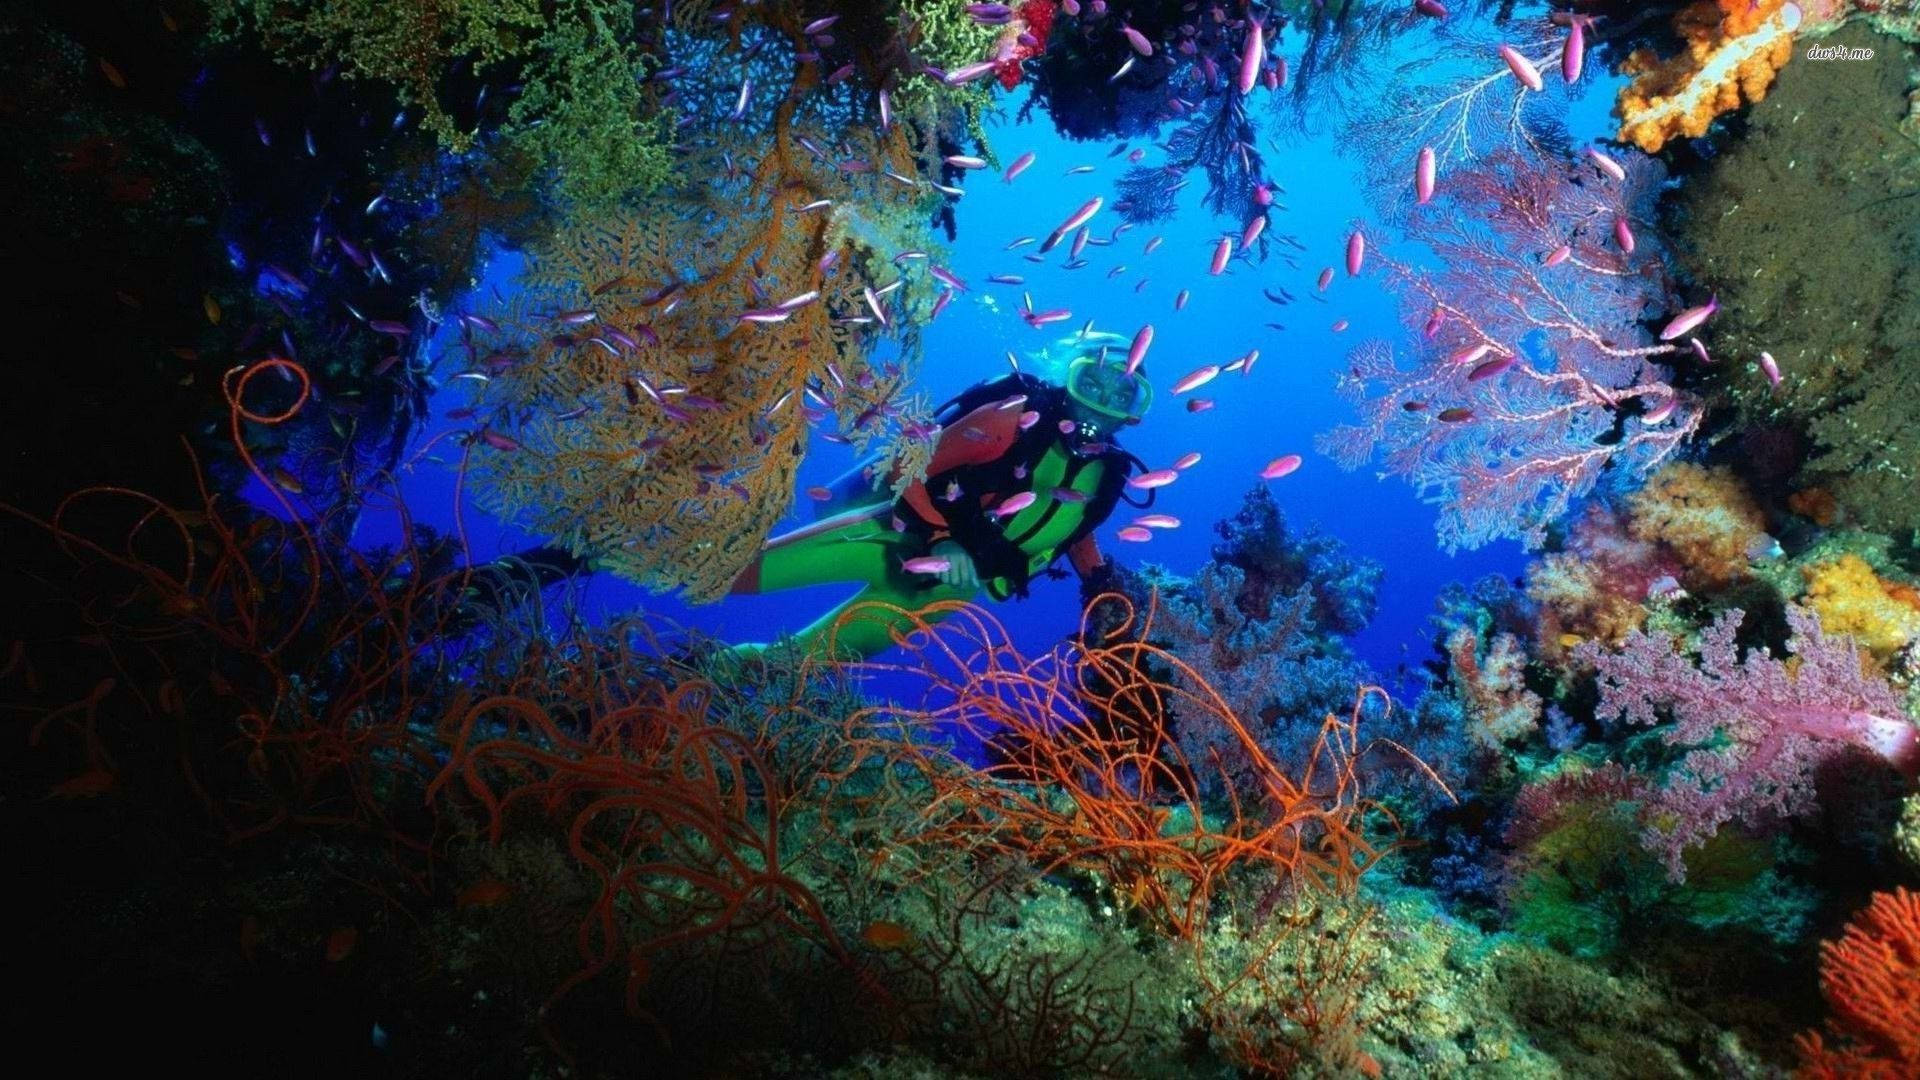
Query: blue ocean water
column 1278, row 409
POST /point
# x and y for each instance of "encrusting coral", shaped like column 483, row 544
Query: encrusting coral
column 1733, row 47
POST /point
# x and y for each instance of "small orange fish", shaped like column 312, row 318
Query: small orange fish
column 288, row 482
column 1568, row 641
column 113, row 75
column 886, row 936
column 90, row 784
column 483, row 894
column 340, row 944
column 212, row 307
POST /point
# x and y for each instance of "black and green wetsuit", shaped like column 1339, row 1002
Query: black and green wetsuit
column 983, row 458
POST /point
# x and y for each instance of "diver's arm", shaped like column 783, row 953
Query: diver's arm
column 1085, row 557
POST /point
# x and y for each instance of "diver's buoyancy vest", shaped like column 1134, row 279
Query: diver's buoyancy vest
column 1007, row 553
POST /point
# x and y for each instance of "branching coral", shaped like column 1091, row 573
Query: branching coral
column 660, row 398
column 1755, row 726
column 1088, row 776
column 1871, row 979
column 1491, row 680
column 1531, row 380
column 1733, row 47
column 1704, row 517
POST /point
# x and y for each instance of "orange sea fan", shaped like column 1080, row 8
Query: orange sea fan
column 1871, row 979
column 660, row 386
column 1733, row 48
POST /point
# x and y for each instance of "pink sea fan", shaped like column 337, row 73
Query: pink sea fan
column 1757, row 725
column 1527, row 382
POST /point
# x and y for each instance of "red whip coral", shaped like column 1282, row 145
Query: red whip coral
column 1733, row 49
column 1757, row 725
column 1871, row 979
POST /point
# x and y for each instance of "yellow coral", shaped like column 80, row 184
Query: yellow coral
column 1704, row 516
column 651, row 426
column 1851, row 599
column 1733, row 49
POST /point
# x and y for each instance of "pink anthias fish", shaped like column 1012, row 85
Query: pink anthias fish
column 1623, row 235
column 1138, row 40
column 1142, row 340
column 1180, row 301
column 1326, row 279
column 1188, row 460
column 1252, row 56
column 1020, row 165
column 1661, row 411
column 1573, row 52
column 1196, row 378
column 1157, row 521
column 1356, row 252
column 1690, row 318
column 1280, row 467
column 1014, row 503
column 1771, row 367
column 1606, row 164
column 1135, row 534
column 1490, row 368
column 1423, row 176
column 926, row 564
column 1558, row 255
column 1221, row 252
column 1157, row 478
column 1522, row 68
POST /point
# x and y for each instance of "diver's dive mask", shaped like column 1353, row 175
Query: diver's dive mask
column 1101, row 383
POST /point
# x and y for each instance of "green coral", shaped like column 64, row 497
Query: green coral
column 1588, row 887
column 584, row 110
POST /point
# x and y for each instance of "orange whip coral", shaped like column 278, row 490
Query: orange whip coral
column 1871, row 979
column 1087, row 775
column 1733, row 49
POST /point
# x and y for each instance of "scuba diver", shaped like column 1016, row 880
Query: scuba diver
column 1023, row 472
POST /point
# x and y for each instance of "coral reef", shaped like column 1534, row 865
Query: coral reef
column 1757, row 726
column 1826, row 293
column 658, row 399
column 1732, row 49
column 1524, row 370
column 1871, row 979
column 1882, row 615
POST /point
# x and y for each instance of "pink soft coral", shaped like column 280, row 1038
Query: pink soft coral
column 1757, row 725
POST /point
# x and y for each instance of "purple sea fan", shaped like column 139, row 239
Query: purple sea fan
column 1757, row 725
column 1527, row 381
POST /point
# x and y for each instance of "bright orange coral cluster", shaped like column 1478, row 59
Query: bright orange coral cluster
column 1704, row 516
column 1733, row 48
column 1871, row 979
